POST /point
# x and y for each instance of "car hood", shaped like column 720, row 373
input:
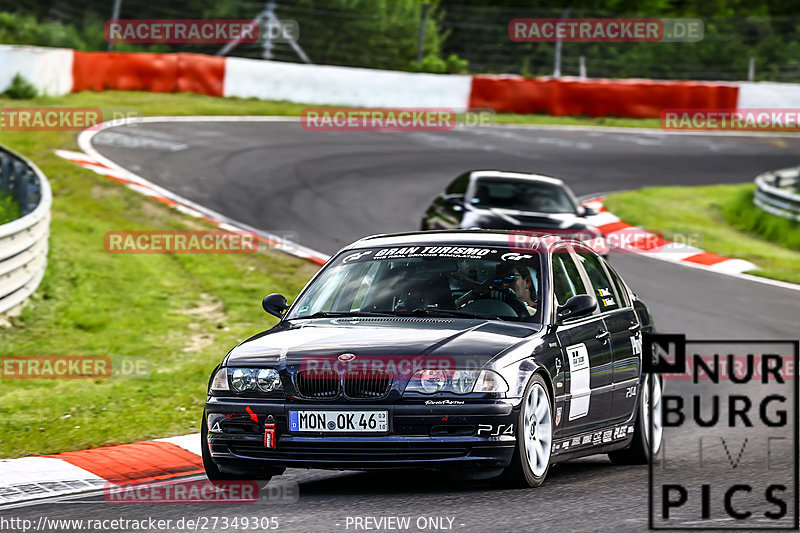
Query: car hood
column 512, row 219
column 465, row 343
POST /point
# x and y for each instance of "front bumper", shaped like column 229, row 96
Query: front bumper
column 474, row 435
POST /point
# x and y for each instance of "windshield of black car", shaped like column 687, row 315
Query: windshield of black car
column 522, row 195
column 457, row 281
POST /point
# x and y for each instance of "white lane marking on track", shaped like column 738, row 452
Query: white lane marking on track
column 133, row 142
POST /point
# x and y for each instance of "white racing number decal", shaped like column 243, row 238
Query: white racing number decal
column 579, row 381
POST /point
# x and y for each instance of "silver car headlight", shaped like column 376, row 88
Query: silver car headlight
column 247, row 379
column 456, row 381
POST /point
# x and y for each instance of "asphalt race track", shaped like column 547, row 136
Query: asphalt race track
column 333, row 187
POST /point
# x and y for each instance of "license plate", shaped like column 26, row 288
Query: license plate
column 339, row 421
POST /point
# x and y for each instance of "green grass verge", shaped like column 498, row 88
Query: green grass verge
column 183, row 312
column 608, row 122
column 743, row 214
column 9, row 208
column 723, row 218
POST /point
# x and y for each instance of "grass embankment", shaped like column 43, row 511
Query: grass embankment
column 183, row 312
column 730, row 224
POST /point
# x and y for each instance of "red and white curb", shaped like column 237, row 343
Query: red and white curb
column 36, row 478
column 641, row 241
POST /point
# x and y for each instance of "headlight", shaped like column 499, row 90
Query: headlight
column 432, row 381
column 456, row 381
column 268, row 380
column 241, row 380
column 247, row 379
column 463, row 381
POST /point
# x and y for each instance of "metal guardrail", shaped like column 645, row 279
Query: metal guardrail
column 778, row 193
column 23, row 242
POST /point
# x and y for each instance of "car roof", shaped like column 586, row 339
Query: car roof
column 477, row 174
column 458, row 237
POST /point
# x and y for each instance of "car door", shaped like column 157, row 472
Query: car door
column 447, row 209
column 624, row 330
column 585, row 349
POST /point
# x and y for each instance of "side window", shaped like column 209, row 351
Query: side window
column 567, row 280
column 459, row 186
column 603, row 290
column 622, row 292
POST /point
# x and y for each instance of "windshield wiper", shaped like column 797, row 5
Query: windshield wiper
column 432, row 311
column 340, row 314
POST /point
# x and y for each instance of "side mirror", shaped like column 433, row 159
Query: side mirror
column 456, row 201
column 577, row 306
column 587, row 211
column 275, row 304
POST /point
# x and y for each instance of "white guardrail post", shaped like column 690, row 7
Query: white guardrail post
column 778, row 193
column 23, row 242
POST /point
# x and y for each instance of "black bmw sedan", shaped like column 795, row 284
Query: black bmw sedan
column 467, row 351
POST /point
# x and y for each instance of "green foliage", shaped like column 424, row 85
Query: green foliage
column 456, row 65
column 9, row 208
column 20, row 89
column 16, row 28
column 436, row 65
column 368, row 33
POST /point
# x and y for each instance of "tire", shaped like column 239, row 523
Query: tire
column 532, row 454
column 213, row 473
column 639, row 453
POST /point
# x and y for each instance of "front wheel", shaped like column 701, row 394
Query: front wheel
column 531, row 460
column 644, row 445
